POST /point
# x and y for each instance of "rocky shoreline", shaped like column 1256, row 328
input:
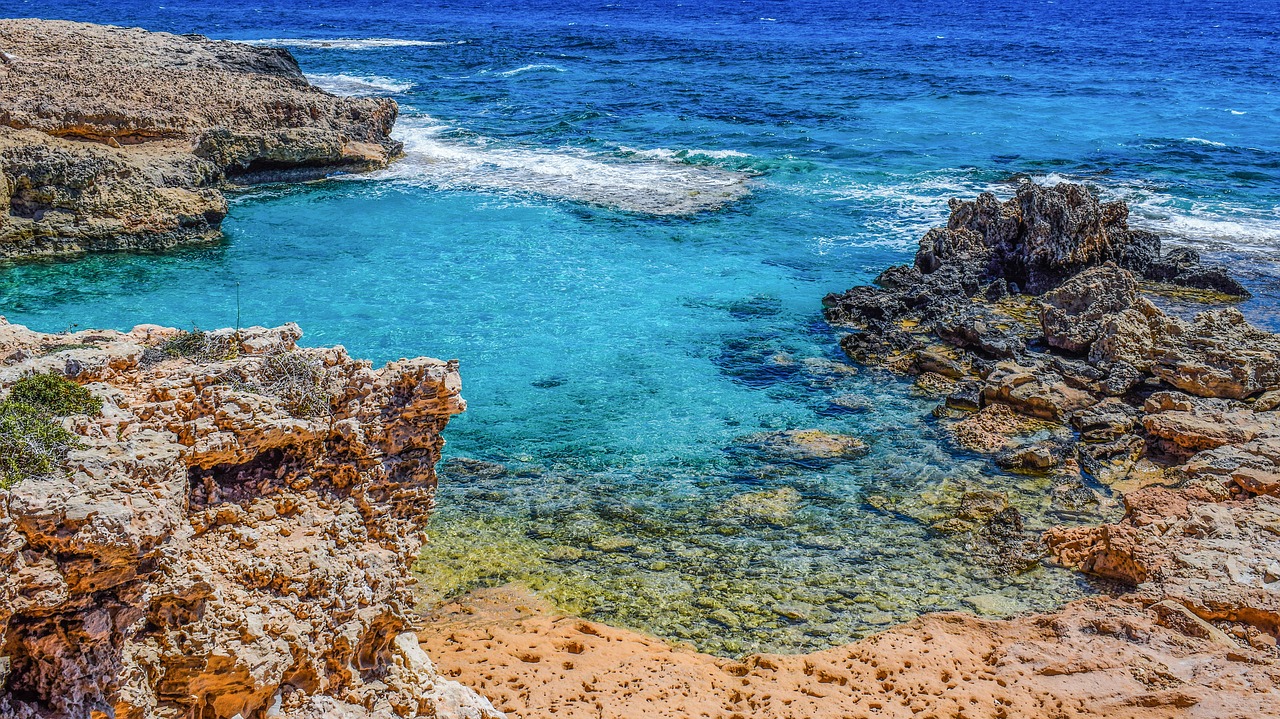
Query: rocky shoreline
column 221, row 524
column 116, row 138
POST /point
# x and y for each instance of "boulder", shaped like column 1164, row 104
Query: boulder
column 1182, row 266
column 1072, row 315
column 1034, row 392
column 1219, row 354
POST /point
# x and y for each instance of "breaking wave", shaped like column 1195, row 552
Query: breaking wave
column 348, row 43
column 530, row 68
column 354, row 85
column 900, row 210
column 436, row 157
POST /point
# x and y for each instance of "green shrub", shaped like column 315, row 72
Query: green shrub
column 54, row 395
column 32, row 442
column 55, row 349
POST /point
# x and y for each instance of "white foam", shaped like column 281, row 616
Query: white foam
column 902, row 208
column 668, row 155
column 1209, row 225
column 347, row 43
column 530, row 68
column 354, row 85
column 1215, row 227
column 1201, row 141
column 435, row 156
column 1237, row 112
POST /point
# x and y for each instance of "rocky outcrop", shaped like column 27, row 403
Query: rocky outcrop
column 117, row 138
column 231, row 537
column 1087, row 353
column 1179, row 415
column 1217, row 560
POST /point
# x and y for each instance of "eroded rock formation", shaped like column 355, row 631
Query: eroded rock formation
column 116, row 138
column 1089, row 353
column 232, row 537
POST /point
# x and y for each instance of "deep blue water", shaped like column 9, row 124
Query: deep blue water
column 614, row 346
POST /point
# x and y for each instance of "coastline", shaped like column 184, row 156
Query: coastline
column 1192, row 639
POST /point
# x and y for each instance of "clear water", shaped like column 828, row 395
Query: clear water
column 622, row 217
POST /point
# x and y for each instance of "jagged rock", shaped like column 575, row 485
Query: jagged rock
column 1034, row 392
column 1219, row 354
column 1072, row 314
column 216, row 549
column 1267, row 401
column 1037, row 456
column 978, row 328
column 1182, row 546
column 1186, row 425
column 1045, row 235
column 889, row 347
column 1182, row 266
column 1106, row 420
column 115, row 138
column 941, row 246
column 965, row 396
column 939, row 363
column 993, row 428
column 1257, row 481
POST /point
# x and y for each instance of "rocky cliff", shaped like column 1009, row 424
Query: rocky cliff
column 116, row 138
column 226, row 529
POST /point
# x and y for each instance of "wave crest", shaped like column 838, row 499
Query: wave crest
column 530, row 68
column 354, row 85
column 348, row 43
column 649, row 187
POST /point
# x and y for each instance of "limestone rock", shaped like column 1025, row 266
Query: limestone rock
column 118, row 138
column 214, row 551
column 1218, row 355
column 1183, row 546
column 1045, row 235
column 1034, row 392
column 1072, row 314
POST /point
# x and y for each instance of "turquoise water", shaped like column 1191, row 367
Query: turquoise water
column 622, row 220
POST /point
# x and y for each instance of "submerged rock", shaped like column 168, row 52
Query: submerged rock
column 119, row 138
column 806, row 445
column 773, row 506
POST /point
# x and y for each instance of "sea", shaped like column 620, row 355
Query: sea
column 622, row 216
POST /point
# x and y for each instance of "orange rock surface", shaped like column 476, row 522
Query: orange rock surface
column 1094, row 658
